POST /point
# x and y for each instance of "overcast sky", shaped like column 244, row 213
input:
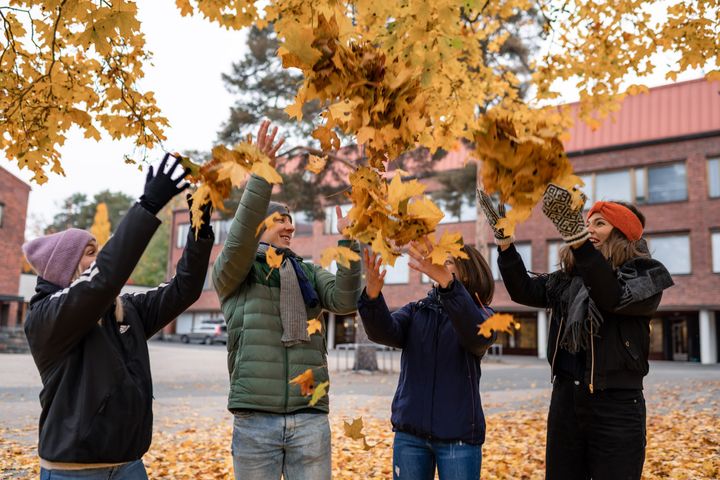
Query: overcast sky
column 190, row 54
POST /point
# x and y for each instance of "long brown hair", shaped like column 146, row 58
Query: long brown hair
column 617, row 248
column 476, row 275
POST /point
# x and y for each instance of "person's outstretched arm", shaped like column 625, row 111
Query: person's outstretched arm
column 58, row 322
column 521, row 287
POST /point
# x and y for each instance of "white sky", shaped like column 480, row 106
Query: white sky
column 189, row 56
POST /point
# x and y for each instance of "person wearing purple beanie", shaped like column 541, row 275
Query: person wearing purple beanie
column 89, row 343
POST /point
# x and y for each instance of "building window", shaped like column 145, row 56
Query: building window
column 468, row 211
column 182, row 233
column 673, row 251
column 614, row 186
column 303, row 224
column 588, row 189
column 714, row 177
column 553, row 249
column 716, row 251
column 525, row 251
column 330, row 225
column 2, row 214
column 667, row 183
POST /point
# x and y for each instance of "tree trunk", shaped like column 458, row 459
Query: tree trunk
column 365, row 357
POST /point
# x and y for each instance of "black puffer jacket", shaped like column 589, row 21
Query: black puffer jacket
column 626, row 299
column 97, row 389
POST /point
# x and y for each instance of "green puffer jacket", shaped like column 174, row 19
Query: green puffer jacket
column 260, row 366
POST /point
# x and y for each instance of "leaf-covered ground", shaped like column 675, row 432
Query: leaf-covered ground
column 683, row 443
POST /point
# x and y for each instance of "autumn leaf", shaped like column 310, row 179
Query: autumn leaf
column 319, row 392
column 267, row 223
column 306, row 382
column 499, row 322
column 342, row 255
column 450, row 244
column 314, row 326
column 354, row 431
column 274, row 259
column 266, row 171
column 316, row 164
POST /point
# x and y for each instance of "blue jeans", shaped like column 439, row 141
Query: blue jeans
column 415, row 458
column 129, row 471
column 267, row 445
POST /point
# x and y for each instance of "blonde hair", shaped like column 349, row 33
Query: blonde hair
column 119, row 310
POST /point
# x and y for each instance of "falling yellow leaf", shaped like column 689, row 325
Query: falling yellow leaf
column 266, row 171
column 449, row 244
column 354, row 431
column 267, row 223
column 499, row 322
column 314, row 326
column 342, row 255
column 306, row 382
column 319, row 392
column 316, row 164
column 274, row 260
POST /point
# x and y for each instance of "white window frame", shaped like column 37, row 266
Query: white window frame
column 715, row 247
column 652, row 239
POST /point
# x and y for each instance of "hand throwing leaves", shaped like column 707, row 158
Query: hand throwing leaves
column 566, row 213
column 374, row 278
column 421, row 260
column 493, row 217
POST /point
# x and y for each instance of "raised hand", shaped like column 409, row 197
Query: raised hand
column 342, row 221
column 160, row 188
column 374, row 278
column 265, row 141
column 568, row 219
column 493, row 216
column 419, row 252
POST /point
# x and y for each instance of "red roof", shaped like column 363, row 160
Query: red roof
column 675, row 110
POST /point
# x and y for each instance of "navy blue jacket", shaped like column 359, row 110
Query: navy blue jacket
column 438, row 395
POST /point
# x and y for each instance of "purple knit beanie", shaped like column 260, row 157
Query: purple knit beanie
column 55, row 257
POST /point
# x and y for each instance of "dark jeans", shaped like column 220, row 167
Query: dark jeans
column 129, row 471
column 415, row 458
column 597, row 435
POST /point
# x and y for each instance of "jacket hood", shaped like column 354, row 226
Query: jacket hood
column 43, row 289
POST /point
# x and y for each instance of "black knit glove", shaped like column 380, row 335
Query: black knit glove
column 205, row 230
column 493, row 216
column 161, row 188
column 557, row 206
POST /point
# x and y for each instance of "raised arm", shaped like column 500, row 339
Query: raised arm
column 161, row 305
column 521, row 287
column 466, row 317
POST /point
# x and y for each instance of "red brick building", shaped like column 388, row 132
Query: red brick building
column 660, row 151
column 13, row 210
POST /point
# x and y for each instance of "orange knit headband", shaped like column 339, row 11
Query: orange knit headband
column 619, row 217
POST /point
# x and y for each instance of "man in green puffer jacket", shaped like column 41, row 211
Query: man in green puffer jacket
column 275, row 431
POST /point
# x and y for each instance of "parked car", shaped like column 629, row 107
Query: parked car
column 208, row 332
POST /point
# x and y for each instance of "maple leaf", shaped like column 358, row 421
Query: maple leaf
column 316, row 164
column 266, row 171
column 314, row 326
column 267, row 223
column 354, row 431
column 306, row 382
column 274, row 260
column 319, row 392
column 342, row 255
column 449, row 244
column 498, row 322
column 399, row 191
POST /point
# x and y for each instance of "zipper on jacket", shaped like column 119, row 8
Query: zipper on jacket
column 287, row 381
column 557, row 345
column 592, row 357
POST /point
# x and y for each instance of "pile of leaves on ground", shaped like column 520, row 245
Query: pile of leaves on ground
column 682, row 444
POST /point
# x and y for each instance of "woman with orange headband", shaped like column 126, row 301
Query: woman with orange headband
column 600, row 302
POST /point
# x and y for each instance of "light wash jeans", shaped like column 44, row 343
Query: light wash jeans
column 130, row 471
column 415, row 458
column 267, row 445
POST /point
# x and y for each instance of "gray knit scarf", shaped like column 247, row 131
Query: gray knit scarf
column 292, row 305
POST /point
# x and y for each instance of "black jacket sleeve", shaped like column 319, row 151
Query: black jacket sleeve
column 466, row 317
column 58, row 322
column 598, row 276
column 521, row 287
column 161, row 305
column 380, row 325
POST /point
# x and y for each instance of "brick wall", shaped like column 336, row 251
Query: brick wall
column 14, row 195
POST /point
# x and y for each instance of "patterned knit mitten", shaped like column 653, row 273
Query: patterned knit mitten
column 557, row 206
column 493, row 216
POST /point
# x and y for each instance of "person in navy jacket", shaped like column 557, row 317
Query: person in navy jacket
column 436, row 412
